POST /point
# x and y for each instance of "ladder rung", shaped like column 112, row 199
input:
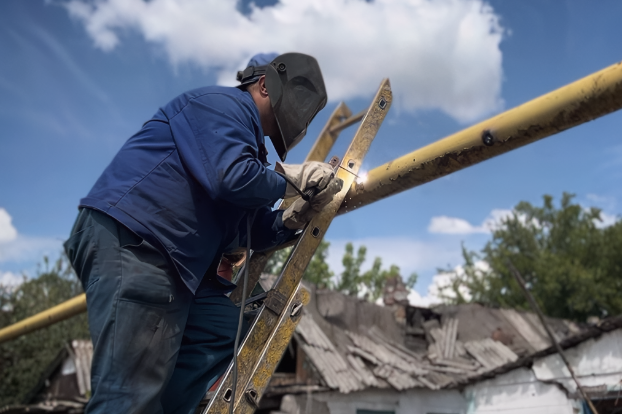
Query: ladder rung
column 347, row 122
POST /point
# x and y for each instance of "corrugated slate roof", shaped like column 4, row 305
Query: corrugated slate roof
column 463, row 342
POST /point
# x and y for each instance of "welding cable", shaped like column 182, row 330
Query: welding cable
column 249, row 225
column 305, row 197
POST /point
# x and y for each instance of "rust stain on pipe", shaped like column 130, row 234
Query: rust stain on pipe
column 571, row 105
column 579, row 102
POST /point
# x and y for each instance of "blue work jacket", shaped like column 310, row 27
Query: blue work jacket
column 186, row 181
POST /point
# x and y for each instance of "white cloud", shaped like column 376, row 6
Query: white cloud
column 29, row 249
column 606, row 220
column 454, row 225
column 605, row 202
column 7, row 231
column 10, row 279
column 415, row 299
column 433, row 295
column 17, row 249
column 440, row 283
column 441, row 54
column 495, row 218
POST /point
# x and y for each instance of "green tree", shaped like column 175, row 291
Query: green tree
column 570, row 262
column 372, row 282
column 351, row 281
column 277, row 260
column 412, row 280
column 23, row 360
column 318, row 271
column 375, row 278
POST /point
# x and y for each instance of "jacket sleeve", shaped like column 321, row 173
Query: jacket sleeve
column 217, row 136
column 268, row 230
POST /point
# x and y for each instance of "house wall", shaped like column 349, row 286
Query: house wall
column 597, row 363
column 432, row 402
column 518, row 391
column 417, row 401
column 544, row 388
column 547, row 386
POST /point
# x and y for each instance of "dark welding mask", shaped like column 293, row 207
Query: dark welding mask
column 297, row 93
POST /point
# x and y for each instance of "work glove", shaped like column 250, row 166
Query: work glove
column 301, row 212
column 307, row 175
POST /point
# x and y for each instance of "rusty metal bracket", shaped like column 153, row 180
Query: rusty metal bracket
column 275, row 301
column 296, row 310
column 334, row 161
column 252, row 397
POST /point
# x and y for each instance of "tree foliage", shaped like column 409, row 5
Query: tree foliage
column 371, row 283
column 351, row 281
column 23, row 360
column 277, row 260
column 571, row 262
column 317, row 272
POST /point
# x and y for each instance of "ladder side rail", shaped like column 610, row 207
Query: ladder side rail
column 257, row 342
column 319, row 152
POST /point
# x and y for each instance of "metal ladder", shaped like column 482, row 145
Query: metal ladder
column 274, row 325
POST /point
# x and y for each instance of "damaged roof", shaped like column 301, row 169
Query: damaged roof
column 353, row 344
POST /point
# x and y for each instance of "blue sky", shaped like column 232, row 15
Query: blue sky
column 77, row 80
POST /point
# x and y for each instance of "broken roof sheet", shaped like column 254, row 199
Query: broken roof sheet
column 351, row 351
column 520, row 331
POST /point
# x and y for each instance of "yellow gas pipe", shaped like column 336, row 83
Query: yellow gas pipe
column 58, row 313
column 584, row 100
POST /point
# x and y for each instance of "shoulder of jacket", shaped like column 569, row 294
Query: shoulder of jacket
column 225, row 99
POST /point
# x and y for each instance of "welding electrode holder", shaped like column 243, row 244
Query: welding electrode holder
column 311, row 192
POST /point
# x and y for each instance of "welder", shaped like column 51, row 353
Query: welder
column 151, row 233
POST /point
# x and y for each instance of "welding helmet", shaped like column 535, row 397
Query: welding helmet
column 297, row 93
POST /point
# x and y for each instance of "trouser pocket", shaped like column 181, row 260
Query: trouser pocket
column 137, row 342
column 134, row 358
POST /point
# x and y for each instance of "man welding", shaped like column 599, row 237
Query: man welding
column 150, row 234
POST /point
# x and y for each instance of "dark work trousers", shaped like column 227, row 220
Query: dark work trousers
column 157, row 348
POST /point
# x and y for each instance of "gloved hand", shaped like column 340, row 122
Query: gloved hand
column 301, row 212
column 321, row 199
column 308, row 175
